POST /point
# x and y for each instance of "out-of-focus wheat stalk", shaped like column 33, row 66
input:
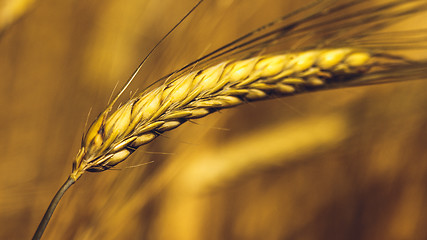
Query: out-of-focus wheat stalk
column 12, row 11
column 357, row 59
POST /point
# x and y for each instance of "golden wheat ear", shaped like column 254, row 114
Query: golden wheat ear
column 239, row 73
column 111, row 140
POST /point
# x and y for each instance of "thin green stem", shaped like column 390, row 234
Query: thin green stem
column 42, row 226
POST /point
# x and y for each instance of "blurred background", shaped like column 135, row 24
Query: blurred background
column 340, row 164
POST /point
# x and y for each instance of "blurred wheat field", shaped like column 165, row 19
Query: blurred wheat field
column 340, row 164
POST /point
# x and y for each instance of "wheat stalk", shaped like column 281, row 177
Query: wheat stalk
column 357, row 60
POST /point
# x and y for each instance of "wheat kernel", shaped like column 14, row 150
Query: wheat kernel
column 255, row 94
column 241, row 69
column 358, row 59
column 118, row 157
column 315, row 82
column 304, row 60
column 152, row 105
column 284, row 88
column 169, row 125
column 270, row 66
column 143, row 139
column 207, row 79
column 330, row 58
column 229, row 101
column 198, row 113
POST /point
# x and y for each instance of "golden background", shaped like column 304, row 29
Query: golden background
column 340, row 164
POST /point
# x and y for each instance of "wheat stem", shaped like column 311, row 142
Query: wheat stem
column 48, row 214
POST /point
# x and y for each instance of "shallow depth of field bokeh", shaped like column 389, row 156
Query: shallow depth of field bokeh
column 340, row 164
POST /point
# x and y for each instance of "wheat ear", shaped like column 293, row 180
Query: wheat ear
column 112, row 138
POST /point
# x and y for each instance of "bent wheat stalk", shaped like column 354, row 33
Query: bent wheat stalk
column 343, row 59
